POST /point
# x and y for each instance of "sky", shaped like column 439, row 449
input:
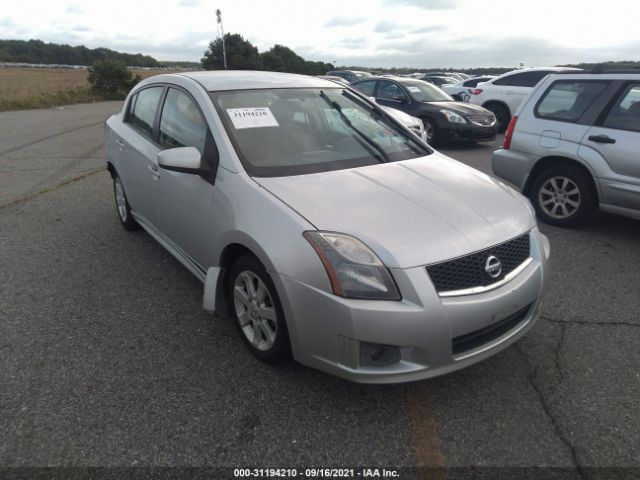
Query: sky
column 369, row 33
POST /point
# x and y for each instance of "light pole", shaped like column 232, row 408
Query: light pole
column 224, row 51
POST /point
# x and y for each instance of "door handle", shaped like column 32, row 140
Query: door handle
column 153, row 167
column 602, row 139
column 120, row 143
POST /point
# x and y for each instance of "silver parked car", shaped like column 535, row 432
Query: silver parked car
column 573, row 146
column 324, row 228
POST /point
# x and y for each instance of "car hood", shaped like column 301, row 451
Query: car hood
column 460, row 107
column 411, row 213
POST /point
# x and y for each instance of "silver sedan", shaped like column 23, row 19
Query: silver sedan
column 324, row 228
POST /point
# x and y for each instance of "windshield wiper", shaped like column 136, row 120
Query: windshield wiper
column 382, row 154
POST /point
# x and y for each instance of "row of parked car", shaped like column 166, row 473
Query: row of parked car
column 572, row 137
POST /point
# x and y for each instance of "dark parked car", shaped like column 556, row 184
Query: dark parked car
column 445, row 120
column 350, row 75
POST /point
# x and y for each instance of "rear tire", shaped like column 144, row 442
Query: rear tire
column 563, row 196
column 257, row 312
column 502, row 114
column 122, row 206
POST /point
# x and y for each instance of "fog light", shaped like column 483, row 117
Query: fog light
column 377, row 355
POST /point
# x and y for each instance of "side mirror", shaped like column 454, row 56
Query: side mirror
column 182, row 159
column 401, row 98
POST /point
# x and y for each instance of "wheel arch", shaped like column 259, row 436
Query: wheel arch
column 112, row 170
column 499, row 103
column 554, row 161
column 228, row 256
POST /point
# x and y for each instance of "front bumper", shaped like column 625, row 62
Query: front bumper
column 454, row 132
column 327, row 331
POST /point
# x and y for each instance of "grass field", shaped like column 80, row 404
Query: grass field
column 22, row 88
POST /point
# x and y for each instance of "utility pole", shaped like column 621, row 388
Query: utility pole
column 224, row 51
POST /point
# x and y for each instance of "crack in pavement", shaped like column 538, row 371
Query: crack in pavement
column 585, row 322
column 547, row 410
column 65, row 168
column 55, row 187
column 48, row 137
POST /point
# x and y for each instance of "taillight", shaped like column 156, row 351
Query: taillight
column 476, row 91
column 507, row 136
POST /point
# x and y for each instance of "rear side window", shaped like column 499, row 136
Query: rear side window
column 524, row 79
column 367, row 87
column 144, row 109
column 567, row 100
column 181, row 123
column 625, row 114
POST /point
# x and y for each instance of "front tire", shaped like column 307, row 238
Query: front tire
column 502, row 114
column 563, row 196
column 431, row 130
column 122, row 206
column 257, row 311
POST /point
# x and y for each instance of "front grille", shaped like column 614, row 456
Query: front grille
column 484, row 120
column 470, row 271
column 478, row 338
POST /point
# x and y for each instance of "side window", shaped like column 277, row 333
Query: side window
column 524, row 79
column 390, row 91
column 181, row 124
column 625, row 114
column 144, row 109
column 367, row 87
column 567, row 100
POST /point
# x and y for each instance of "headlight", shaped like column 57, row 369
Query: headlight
column 354, row 270
column 453, row 117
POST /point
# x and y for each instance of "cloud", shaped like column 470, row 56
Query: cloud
column 81, row 28
column 343, row 21
column 6, row 22
column 385, row 26
column 75, row 9
column 190, row 3
column 428, row 29
column 351, row 43
column 424, row 4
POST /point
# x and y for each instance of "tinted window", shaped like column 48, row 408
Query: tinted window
column 425, row 92
column 625, row 114
column 567, row 100
column 475, row 81
column 144, row 109
column 367, row 87
column 524, row 79
column 390, row 91
column 181, row 124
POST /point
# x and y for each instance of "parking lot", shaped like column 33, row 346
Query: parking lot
column 108, row 360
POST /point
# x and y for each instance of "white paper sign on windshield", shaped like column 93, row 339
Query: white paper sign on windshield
column 414, row 89
column 258, row 117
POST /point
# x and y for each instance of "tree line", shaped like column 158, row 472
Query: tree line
column 243, row 55
column 37, row 51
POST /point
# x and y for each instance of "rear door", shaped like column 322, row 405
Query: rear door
column 138, row 166
column 616, row 138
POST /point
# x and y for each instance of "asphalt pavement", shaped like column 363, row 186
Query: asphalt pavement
column 107, row 359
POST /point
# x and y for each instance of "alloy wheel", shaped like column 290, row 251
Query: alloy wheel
column 255, row 310
column 559, row 197
column 121, row 201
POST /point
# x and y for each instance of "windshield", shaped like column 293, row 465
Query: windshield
column 282, row 132
column 426, row 92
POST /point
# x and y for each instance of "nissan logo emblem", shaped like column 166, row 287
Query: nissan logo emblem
column 493, row 267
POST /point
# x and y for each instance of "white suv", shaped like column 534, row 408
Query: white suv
column 573, row 145
column 503, row 95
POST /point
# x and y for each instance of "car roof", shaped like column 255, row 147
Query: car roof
column 218, row 80
column 533, row 69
